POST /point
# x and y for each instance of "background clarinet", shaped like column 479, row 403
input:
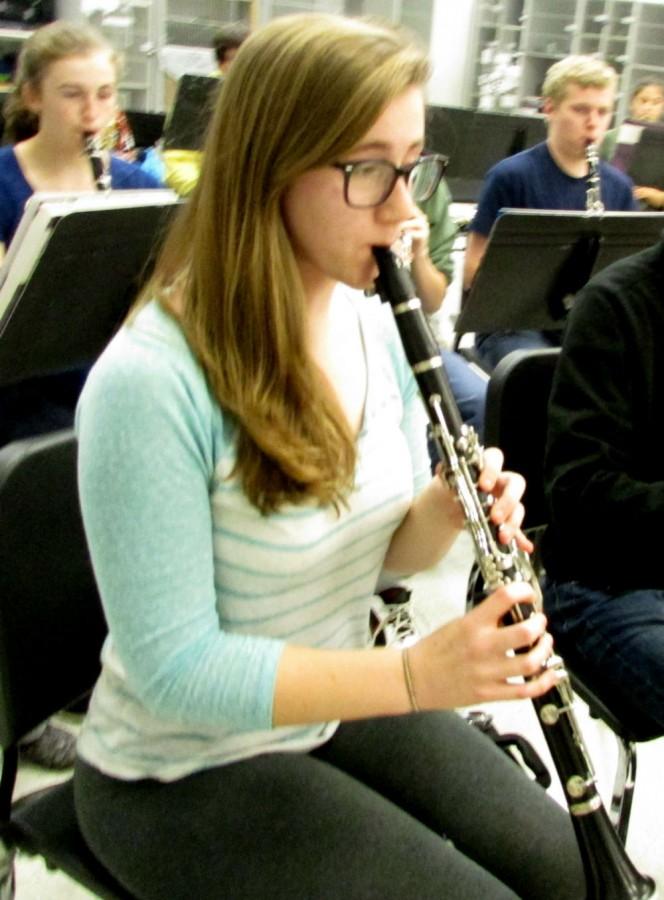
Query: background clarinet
column 98, row 160
column 593, row 191
column 610, row 874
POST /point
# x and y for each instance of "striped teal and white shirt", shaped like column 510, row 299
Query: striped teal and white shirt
column 200, row 590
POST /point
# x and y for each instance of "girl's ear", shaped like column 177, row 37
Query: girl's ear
column 31, row 97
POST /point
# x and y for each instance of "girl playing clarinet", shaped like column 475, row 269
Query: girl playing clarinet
column 252, row 457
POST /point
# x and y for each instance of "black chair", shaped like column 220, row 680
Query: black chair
column 3, row 98
column 516, row 421
column 147, row 127
column 51, row 632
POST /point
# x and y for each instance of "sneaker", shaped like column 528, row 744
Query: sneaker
column 54, row 749
column 391, row 619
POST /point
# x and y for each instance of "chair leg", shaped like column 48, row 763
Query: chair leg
column 623, row 787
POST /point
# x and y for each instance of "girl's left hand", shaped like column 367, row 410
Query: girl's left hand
column 506, row 488
column 417, row 230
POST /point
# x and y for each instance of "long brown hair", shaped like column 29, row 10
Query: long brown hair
column 47, row 45
column 302, row 91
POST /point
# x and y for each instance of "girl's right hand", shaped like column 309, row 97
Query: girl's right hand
column 468, row 660
column 650, row 195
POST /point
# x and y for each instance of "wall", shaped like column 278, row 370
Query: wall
column 452, row 46
column 452, row 52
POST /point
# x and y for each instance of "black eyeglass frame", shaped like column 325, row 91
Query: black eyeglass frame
column 405, row 172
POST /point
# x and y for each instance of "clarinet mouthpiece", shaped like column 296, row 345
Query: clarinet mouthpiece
column 393, row 284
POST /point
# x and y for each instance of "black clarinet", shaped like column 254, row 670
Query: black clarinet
column 609, row 873
column 92, row 149
column 593, row 191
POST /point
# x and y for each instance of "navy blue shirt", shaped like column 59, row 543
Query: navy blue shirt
column 532, row 180
column 15, row 190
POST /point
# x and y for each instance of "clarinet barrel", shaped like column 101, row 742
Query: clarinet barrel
column 610, row 874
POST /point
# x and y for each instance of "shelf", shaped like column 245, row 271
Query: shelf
column 643, row 25
column 556, row 17
column 544, row 54
column 15, row 34
column 192, row 20
column 645, row 67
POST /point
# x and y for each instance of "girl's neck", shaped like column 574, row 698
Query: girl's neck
column 318, row 315
column 58, row 165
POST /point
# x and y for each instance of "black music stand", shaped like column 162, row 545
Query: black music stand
column 68, row 282
column 147, row 127
column 475, row 140
column 192, row 109
column 646, row 166
column 536, row 260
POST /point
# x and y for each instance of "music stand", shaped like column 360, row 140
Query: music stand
column 536, row 260
column 70, row 275
column 475, row 141
column 646, row 166
column 147, row 127
column 192, row 109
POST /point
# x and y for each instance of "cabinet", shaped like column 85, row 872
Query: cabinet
column 132, row 28
column 645, row 45
column 142, row 29
column 193, row 23
column 415, row 14
column 10, row 44
column 517, row 40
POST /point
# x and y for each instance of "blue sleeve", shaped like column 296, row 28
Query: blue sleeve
column 6, row 216
column 147, row 427
column 14, row 192
column 619, row 189
column 129, row 176
column 631, row 203
column 497, row 193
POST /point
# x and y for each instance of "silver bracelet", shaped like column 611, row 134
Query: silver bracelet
column 408, row 678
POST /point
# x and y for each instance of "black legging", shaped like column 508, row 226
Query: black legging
column 360, row 818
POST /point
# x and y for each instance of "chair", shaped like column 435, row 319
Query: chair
column 51, row 632
column 516, row 421
column 147, row 127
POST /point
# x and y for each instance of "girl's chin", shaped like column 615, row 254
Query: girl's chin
column 368, row 282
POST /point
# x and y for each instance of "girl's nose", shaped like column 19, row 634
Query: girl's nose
column 399, row 205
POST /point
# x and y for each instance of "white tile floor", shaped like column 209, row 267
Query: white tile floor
column 438, row 596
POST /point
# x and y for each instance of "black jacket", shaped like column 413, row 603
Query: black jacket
column 604, row 465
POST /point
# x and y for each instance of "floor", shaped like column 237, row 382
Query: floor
column 438, row 596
